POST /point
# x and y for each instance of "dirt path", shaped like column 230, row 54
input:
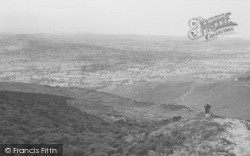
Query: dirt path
column 181, row 98
column 244, row 84
column 237, row 132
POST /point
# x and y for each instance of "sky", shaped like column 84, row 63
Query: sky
column 153, row 17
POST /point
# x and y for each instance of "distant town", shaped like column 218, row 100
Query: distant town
column 101, row 62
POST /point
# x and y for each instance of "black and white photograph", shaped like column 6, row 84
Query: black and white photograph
column 124, row 78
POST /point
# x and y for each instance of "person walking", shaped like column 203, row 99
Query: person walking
column 207, row 109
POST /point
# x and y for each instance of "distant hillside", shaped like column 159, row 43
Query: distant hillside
column 156, row 92
column 103, row 104
column 107, row 106
column 229, row 98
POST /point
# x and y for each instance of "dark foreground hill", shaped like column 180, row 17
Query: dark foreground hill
column 42, row 118
column 46, row 118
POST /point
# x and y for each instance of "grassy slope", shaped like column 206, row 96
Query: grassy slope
column 102, row 104
column 156, row 92
column 227, row 98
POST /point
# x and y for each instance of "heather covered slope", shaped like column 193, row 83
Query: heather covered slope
column 69, row 116
column 42, row 118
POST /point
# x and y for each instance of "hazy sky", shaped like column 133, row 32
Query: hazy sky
column 158, row 17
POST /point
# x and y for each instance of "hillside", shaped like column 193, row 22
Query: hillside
column 103, row 104
column 157, row 92
column 42, row 118
column 229, row 98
